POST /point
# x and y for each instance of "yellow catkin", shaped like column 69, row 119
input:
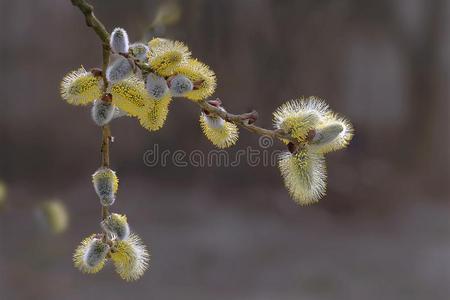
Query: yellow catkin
column 222, row 136
column 304, row 175
column 80, row 87
column 155, row 114
column 130, row 95
column 297, row 117
column 166, row 55
column 202, row 76
column 130, row 258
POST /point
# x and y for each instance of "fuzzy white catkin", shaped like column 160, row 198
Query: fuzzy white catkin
column 139, row 50
column 327, row 134
column 96, row 253
column 105, row 183
column 116, row 225
column 105, row 191
column 119, row 40
column 118, row 70
column 102, row 112
column 179, row 85
column 214, row 122
column 156, row 86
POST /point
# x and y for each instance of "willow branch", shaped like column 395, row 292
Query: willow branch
column 100, row 30
column 245, row 120
column 103, row 34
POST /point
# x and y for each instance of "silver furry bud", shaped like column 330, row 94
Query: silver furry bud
column 116, row 226
column 102, row 112
column 139, row 50
column 156, row 86
column 327, row 134
column 106, row 184
column 179, row 85
column 95, row 253
column 119, row 41
column 118, row 70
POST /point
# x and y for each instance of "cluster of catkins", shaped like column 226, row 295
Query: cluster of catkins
column 133, row 90
column 147, row 95
column 125, row 249
column 317, row 131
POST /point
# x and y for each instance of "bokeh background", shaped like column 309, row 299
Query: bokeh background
column 382, row 231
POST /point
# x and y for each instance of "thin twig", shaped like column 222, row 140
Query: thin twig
column 106, row 139
column 100, row 30
column 243, row 121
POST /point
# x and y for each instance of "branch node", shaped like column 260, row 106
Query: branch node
column 250, row 118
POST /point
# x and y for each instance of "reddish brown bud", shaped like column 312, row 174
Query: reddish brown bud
column 250, row 117
column 97, row 72
column 216, row 102
column 107, row 97
column 293, row 148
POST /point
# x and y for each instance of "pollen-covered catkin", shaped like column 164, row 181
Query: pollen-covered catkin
column 129, row 95
column 304, row 175
column 221, row 133
column 298, row 117
column 80, row 87
column 130, row 258
column 155, row 114
column 116, row 226
column 180, row 85
column 139, row 51
column 106, row 185
column 119, row 40
column 202, row 77
column 102, row 112
column 119, row 69
column 156, row 86
column 90, row 256
column 167, row 55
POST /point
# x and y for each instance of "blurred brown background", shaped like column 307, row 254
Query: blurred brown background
column 383, row 230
